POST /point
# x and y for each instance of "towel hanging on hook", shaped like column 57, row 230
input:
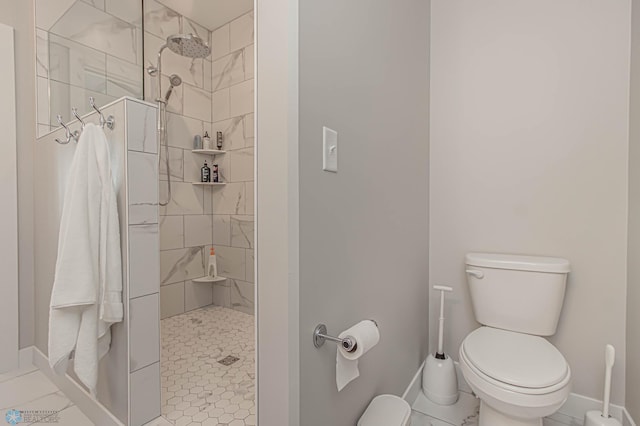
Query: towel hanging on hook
column 75, row 135
column 109, row 121
column 69, row 134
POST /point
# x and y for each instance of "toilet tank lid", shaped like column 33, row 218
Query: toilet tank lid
column 516, row 262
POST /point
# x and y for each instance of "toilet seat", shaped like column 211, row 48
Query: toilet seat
column 517, row 401
column 519, row 362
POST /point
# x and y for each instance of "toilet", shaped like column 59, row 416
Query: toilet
column 386, row 410
column 518, row 375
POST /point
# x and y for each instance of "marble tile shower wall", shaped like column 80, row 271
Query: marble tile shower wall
column 197, row 217
column 85, row 48
column 184, row 234
column 233, row 205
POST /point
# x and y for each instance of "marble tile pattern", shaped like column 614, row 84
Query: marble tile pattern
column 31, row 390
column 465, row 413
column 85, row 48
column 142, row 137
column 232, row 206
column 196, row 388
column 144, row 267
column 144, row 338
column 216, row 96
column 172, row 300
column 143, row 263
column 185, row 217
column 145, row 394
column 143, row 187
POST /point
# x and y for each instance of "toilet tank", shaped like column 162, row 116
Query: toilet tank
column 517, row 293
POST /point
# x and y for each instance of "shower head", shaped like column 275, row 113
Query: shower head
column 189, row 45
column 174, row 81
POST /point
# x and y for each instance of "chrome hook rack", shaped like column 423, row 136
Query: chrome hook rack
column 75, row 113
column 75, row 135
column 110, row 121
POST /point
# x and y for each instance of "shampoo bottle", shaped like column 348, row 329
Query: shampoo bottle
column 205, row 173
column 219, row 140
column 215, row 176
column 206, row 141
column 197, row 142
column 212, row 271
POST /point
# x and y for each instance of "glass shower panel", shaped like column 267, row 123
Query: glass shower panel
column 85, row 48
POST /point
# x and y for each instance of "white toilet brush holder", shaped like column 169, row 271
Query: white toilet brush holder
column 602, row 418
column 439, row 378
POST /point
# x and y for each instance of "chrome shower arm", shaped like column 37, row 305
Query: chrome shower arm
column 159, row 72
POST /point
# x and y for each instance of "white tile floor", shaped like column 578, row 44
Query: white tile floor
column 33, row 396
column 196, row 389
column 465, row 413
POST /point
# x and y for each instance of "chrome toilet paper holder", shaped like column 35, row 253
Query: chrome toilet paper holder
column 320, row 336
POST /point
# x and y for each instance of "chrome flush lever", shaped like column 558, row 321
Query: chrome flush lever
column 478, row 274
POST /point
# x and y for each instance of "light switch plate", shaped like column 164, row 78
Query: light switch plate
column 329, row 150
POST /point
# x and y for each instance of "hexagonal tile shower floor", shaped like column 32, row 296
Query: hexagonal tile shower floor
column 197, row 388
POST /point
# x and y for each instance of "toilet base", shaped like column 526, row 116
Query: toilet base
column 492, row 417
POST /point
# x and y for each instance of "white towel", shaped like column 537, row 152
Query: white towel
column 87, row 289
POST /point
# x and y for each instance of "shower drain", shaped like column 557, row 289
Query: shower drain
column 228, row 360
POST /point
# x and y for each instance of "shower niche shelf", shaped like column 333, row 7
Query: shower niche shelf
column 209, row 279
column 209, row 183
column 208, row 151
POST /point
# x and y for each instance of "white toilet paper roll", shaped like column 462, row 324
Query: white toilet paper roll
column 366, row 336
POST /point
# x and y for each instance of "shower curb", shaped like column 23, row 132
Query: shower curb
column 93, row 409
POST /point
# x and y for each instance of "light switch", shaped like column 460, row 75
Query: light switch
column 329, row 150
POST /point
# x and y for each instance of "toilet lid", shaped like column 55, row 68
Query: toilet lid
column 386, row 410
column 517, row 359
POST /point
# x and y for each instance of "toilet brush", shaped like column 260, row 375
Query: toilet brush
column 602, row 418
column 439, row 380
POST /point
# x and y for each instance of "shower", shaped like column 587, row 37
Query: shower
column 174, row 81
column 187, row 45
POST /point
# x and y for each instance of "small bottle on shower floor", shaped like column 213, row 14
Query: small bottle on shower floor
column 212, row 271
column 205, row 173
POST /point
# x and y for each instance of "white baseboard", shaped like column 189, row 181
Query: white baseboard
column 576, row 405
column 92, row 408
column 25, row 365
column 26, row 357
column 412, row 391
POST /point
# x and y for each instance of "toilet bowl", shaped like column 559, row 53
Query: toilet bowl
column 518, row 375
column 519, row 378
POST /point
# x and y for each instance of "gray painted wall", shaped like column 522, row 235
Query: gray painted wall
column 364, row 72
column 19, row 15
column 633, row 265
column 529, row 147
